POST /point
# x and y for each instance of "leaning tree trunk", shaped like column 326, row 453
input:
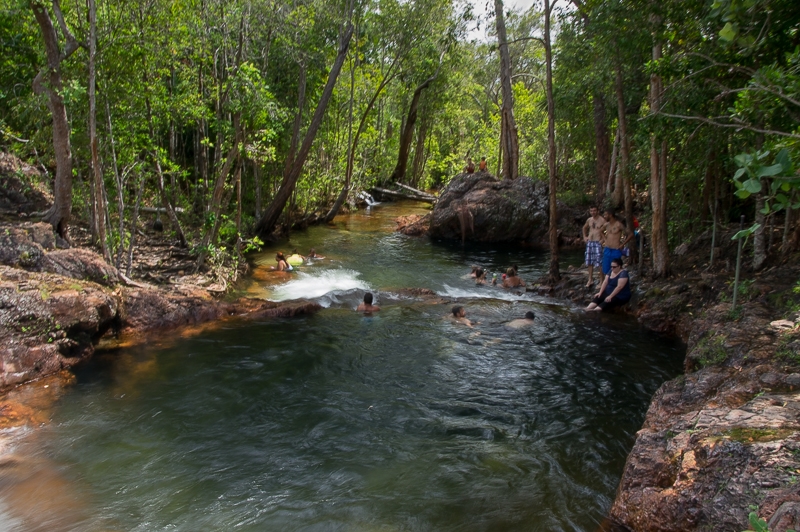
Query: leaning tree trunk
column 407, row 135
column 553, row 272
column 353, row 144
column 59, row 214
column 419, row 153
column 509, row 137
column 270, row 218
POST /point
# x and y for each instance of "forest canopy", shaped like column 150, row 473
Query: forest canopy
column 236, row 117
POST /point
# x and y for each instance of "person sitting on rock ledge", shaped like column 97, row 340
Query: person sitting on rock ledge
column 367, row 307
column 512, row 280
column 615, row 290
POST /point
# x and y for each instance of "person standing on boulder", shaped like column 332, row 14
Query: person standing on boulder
column 482, row 164
column 592, row 234
column 615, row 234
column 470, row 168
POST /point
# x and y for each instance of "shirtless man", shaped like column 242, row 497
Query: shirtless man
column 512, row 280
column 519, row 323
column 367, row 307
column 592, row 234
column 615, row 235
column 460, row 316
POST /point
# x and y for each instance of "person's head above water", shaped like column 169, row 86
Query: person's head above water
column 511, row 272
column 368, row 298
column 457, row 311
column 280, row 256
column 479, row 273
column 530, row 315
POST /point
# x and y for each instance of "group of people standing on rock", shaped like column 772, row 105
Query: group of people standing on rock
column 605, row 237
column 470, row 168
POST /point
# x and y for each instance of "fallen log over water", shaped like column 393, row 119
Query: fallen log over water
column 404, row 195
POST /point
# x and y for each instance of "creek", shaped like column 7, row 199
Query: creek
column 337, row 421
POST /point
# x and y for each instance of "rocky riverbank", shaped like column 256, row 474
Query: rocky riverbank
column 723, row 439
column 57, row 304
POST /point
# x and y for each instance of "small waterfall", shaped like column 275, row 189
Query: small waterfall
column 370, row 201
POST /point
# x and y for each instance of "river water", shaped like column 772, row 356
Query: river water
column 339, row 422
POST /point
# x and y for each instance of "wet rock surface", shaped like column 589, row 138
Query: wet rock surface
column 478, row 207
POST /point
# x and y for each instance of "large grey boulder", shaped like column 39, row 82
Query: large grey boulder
column 480, row 208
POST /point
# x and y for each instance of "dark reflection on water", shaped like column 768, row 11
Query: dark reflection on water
column 401, row 421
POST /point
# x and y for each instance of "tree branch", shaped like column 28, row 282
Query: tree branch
column 713, row 122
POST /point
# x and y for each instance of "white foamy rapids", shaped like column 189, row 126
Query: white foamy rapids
column 318, row 283
column 482, row 292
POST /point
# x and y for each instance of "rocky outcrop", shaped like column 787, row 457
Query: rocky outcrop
column 32, row 246
column 56, row 303
column 723, row 439
column 47, row 323
column 480, row 208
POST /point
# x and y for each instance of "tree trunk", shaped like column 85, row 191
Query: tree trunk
column 351, row 152
column 99, row 220
column 120, row 189
column 658, row 197
column 217, row 203
column 257, row 187
column 510, row 139
column 134, row 221
column 602, row 146
column 407, row 135
column 419, row 154
column 624, row 155
column 59, row 214
column 270, row 218
column 173, row 218
column 759, row 238
column 553, row 272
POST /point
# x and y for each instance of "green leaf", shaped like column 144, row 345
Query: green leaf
column 767, row 171
column 744, row 233
column 742, row 193
column 753, row 186
column 782, row 198
column 743, row 159
column 728, row 33
column 766, row 208
column 785, row 160
column 739, row 173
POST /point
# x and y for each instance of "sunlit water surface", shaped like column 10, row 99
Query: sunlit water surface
column 341, row 422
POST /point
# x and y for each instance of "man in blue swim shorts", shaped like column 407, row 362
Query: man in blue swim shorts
column 592, row 234
column 615, row 234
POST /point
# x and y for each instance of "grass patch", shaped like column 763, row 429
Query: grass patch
column 711, row 350
column 744, row 435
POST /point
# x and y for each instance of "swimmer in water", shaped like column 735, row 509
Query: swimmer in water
column 460, row 316
column 313, row 254
column 519, row 323
column 282, row 266
column 480, row 276
column 367, row 307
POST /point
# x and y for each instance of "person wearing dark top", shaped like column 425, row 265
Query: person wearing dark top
column 615, row 290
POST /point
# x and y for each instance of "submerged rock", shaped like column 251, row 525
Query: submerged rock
column 480, row 208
